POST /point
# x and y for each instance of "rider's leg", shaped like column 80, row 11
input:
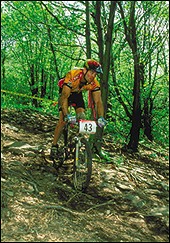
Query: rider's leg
column 59, row 128
column 80, row 113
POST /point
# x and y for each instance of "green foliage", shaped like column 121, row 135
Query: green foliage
column 119, row 161
column 16, row 102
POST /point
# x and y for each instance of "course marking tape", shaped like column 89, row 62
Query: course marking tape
column 28, row 96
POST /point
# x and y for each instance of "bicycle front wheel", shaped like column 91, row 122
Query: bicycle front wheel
column 82, row 168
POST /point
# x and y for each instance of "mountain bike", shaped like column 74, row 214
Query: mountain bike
column 74, row 146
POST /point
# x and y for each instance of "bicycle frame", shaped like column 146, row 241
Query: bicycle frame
column 76, row 149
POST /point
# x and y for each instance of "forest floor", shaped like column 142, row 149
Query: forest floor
column 127, row 200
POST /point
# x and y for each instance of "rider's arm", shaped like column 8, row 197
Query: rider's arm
column 64, row 99
column 98, row 102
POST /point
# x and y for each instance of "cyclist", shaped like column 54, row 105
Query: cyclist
column 71, row 87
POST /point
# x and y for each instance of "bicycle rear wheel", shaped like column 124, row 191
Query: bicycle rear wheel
column 82, row 168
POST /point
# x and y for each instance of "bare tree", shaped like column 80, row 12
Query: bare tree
column 130, row 33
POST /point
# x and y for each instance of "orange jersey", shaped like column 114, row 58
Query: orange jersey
column 73, row 79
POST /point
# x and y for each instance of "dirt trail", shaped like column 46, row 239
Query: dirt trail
column 127, row 200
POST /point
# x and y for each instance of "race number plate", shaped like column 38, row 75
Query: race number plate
column 86, row 126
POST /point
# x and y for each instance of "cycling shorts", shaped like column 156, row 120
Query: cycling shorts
column 76, row 99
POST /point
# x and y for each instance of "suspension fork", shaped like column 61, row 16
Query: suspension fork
column 77, row 145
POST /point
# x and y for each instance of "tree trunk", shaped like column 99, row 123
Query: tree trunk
column 88, row 42
column 43, row 83
column 136, row 115
column 147, row 119
column 34, row 89
column 130, row 33
column 3, row 66
column 104, row 60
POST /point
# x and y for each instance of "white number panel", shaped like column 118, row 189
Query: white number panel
column 86, row 126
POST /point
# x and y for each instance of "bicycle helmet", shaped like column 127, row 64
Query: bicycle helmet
column 91, row 64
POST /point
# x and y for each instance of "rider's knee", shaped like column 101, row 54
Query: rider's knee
column 81, row 115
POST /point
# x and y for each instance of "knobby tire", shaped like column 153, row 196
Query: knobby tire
column 82, row 169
